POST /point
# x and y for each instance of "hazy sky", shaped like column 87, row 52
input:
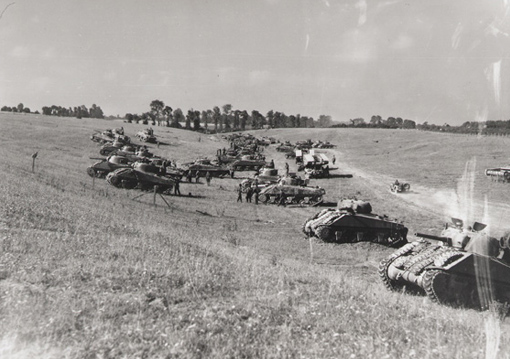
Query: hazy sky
column 435, row 60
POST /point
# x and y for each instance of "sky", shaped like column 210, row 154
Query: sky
column 436, row 61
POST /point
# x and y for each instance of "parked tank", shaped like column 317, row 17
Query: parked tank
column 116, row 146
column 292, row 194
column 107, row 165
column 103, row 136
column 143, row 176
column 465, row 267
column 500, row 173
column 202, row 167
column 247, row 164
column 354, row 222
column 147, row 135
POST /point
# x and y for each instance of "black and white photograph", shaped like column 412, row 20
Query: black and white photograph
column 254, row 179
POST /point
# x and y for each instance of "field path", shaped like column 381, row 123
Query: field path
column 460, row 203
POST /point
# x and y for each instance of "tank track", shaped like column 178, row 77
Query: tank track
column 384, row 264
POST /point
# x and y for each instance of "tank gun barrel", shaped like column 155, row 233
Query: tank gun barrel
column 431, row 236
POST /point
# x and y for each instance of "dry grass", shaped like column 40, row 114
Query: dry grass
column 88, row 272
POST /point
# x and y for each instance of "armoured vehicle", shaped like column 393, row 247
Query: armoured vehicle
column 502, row 173
column 285, row 147
column 398, row 187
column 107, row 165
column 247, row 164
column 116, row 146
column 201, row 167
column 354, row 222
column 291, row 194
column 103, row 136
column 463, row 267
column 143, row 176
column 147, row 135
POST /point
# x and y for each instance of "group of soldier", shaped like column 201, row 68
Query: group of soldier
column 251, row 191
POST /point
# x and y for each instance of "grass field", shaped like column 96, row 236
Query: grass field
column 88, row 272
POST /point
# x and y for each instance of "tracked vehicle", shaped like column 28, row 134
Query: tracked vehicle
column 143, row 176
column 354, row 222
column 462, row 267
column 291, row 194
column 107, row 165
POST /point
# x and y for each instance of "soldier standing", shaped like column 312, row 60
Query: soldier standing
column 177, row 191
column 189, row 176
column 249, row 193
column 240, row 193
column 286, row 169
column 333, row 159
column 208, row 178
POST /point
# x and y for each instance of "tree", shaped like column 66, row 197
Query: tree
column 189, row 118
column 244, row 119
column 157, row 107
column 216, row 118
column 178, row 117
column 325, row 121
column 409, row 124
column 167, row 112
column 20, row 107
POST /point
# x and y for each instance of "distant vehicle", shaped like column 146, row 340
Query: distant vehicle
column 247, row 164
column 147, row 135
column 501, row 173
column 103, row 136
column 465, row 267
column 202, row 166
column 399, row 187
column 315, row 165
column 292, row 194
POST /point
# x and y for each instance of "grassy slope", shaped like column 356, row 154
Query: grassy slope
column 90, row 272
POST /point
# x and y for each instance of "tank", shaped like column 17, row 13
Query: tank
column 201, row 167
column 500, row 173
column 143, row 176
column 103, row 136
column 461, row 267
column 147, row 135
column 354, row 222
column 292, row 194
column 107, row 165
column 246, row 164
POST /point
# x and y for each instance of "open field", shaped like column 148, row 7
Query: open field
column 86, row 271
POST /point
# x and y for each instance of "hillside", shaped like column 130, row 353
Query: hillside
column 86, row 270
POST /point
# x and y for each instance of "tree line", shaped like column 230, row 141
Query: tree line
column 19, row 108
column 225, row 119
column 377, row 121
column 54, row 110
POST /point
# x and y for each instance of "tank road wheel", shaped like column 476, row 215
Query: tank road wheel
column 445, row 288
column 389, row 283
column 272, row 199
column 114, row 181
column 305, row 200
column 407, row 187
column 325, row 233
column 91, row 172
column 506, row 175
column 264, row 198
column 129, row 183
